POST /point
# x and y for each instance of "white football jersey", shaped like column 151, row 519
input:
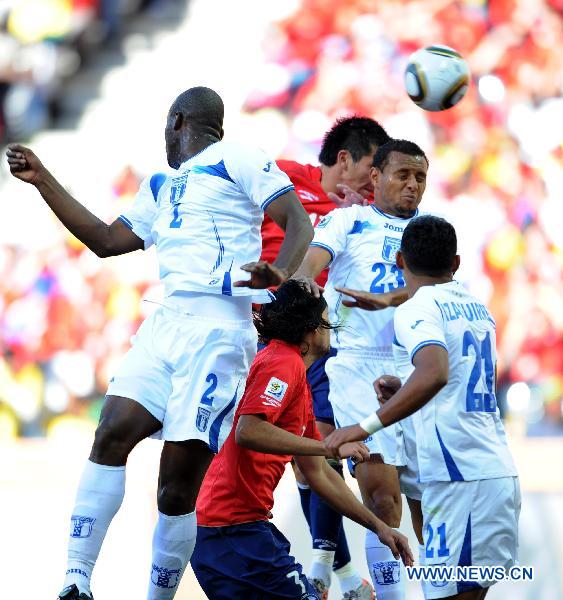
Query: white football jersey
column 363, row 242
column 459, row 434
column 205, row 218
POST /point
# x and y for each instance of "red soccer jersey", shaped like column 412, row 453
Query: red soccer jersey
column 307, row 182
column 239, row 485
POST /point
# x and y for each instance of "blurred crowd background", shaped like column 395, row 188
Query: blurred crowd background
column 496, row 169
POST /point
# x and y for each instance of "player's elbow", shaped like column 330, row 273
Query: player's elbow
column 244, row 434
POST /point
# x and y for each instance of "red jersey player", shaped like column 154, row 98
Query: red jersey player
column 239, row 553
column 342, row 179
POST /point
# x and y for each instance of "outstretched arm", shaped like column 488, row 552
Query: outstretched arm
column 369, row 301
column 104, row 240
column 331, row 487
column 428, row 378
column 255, row 433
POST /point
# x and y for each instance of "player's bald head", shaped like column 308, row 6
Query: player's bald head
column 201, row 107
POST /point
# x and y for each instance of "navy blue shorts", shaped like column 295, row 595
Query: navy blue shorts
column 248, row 562
column 318, row 380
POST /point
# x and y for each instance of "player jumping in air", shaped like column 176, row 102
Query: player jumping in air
column 185, row 372
column 239, row 552
column 341, row 179
column 445, row 354
column 359, row 244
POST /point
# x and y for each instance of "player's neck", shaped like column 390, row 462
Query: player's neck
column 329, row 179
column 415, row 282
column 197, row 144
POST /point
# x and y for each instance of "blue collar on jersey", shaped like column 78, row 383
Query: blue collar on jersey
column 380, row 212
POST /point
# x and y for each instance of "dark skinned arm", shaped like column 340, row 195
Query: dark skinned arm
column 369, row 301
column 430, row 375
column 288, row 213
column 325, row 482
column 104, row 240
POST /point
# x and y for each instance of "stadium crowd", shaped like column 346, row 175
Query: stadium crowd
column 496, row 170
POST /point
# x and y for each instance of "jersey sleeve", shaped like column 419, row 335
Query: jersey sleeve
column 257, row 175
column 419, row 324
column 331, row 232
column 142, row 214
column 311, row 430
column 269, row 390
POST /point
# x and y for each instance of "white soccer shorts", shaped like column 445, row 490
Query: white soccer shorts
column 351, row 375
column 189, row 372
column 469, row 523
column 409, row 474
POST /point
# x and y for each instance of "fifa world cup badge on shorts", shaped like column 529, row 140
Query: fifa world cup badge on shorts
column 274, row 392
column 202, row 419
column 386, row 573
column 390, row 247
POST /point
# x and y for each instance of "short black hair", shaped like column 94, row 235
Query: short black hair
column 356, row 134
column 429, row 246
column 202, row 107
column 294, row 313
column 381, row 157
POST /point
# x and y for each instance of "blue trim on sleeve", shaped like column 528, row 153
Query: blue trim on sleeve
column 324, row 247
column 218, row 170
column 396, row 341
column 126, row 221
column 276, row 195
column 215, row 428
column 157, row 181
column 227, row 289
column 427, row 343
column 454, row 472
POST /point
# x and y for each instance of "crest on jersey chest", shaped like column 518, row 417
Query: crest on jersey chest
column 178, row 188
column 390, row 247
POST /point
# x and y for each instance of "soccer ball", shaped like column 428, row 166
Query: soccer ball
column 436, row 78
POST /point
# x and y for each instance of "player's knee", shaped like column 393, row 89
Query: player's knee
column 175, row 498
column 387, row 507
column 110, row 446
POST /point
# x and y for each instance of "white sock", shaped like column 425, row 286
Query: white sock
column 321, row 567
column 172, row 547
column 98, row 498
column 348, row 578
column 384, row 569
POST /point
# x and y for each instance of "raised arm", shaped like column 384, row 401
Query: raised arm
column 325, row 482
column 369, row 301
column 104, row 240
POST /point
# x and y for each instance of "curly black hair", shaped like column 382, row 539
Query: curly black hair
column 429, row 246
column 356, row 134
column 294, row 313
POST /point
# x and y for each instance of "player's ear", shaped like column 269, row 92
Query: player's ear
column 399, row 260
column 455, row 264
column 374, row 175
column 343, row 159
column 178, row 121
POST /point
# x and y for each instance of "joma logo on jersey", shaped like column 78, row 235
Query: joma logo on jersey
column 306, row 195
column 390, row 247
column 276, row 389
column 178, row 188
column 393, row 227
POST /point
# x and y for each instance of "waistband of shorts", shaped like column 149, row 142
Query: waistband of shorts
column 211, row 306
column 381, row 352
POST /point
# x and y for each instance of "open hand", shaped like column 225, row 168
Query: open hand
column 396, row 542
column 365, row 300
column 24, row 164
column 385, row 386
column 262, row 275
column 347, row 197
column 339, row 437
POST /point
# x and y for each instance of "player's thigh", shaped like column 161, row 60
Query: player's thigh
column 379, row 486
column 415, row 508
column 208, row 382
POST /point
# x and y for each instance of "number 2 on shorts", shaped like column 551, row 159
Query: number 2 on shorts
column 207, row 398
